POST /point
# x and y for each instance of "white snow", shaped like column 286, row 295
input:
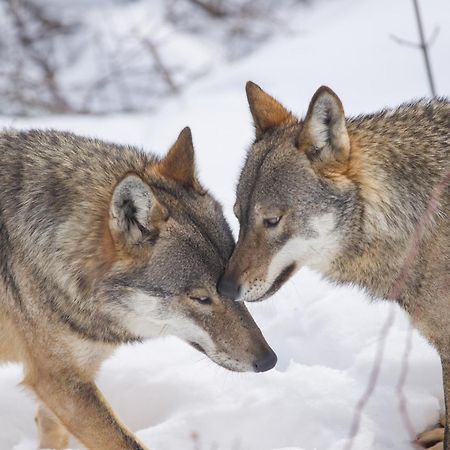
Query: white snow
column 326, row 337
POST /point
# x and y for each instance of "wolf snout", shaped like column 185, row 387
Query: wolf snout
column 228, row 287
column 266, row 362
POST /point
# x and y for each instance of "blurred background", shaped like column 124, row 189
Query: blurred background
column 108, row 56
column 136, row 72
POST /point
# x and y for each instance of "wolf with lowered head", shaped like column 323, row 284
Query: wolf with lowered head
column 101, row 245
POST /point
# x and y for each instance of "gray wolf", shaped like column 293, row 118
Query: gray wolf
column 346, row 196
column 102, row 245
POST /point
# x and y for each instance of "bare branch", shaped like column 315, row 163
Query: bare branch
column 373, row 379
column 214, row 9
column 433, row 36
column 402, row 404
column 404, row 42
column 160, row 66
column 424, row 46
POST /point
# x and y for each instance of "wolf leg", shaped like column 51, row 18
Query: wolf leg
column 439, row 437
column 433, row 439
column 52, row 433
column 81, row 408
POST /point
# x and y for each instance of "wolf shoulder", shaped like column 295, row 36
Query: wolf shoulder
column 410, row 122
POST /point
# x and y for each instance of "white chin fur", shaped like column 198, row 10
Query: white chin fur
column 316, row 252
column 144, row 318
column 222, row 359
column 147, row 320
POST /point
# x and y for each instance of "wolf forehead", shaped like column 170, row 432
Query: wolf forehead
column 271, row 160
column 198, row 219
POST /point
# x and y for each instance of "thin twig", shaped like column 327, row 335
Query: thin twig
column 160, row 66
column 213, row 9
column 424, row 47
column 373, row 379
column 402, row 403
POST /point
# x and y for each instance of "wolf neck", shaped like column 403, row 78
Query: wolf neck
column 395, row 169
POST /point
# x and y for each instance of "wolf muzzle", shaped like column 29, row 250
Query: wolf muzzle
column 266, row 362
column 228, row 287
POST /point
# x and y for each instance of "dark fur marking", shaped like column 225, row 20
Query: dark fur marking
column 98, row 328
column 253, row 185
column 203, row 231
column 129, row 211
column 6, row 271
column 281, row 279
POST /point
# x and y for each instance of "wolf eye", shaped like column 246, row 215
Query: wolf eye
column 203, row 300
column 271, row 222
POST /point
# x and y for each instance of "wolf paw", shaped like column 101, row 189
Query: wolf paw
column 433, row 439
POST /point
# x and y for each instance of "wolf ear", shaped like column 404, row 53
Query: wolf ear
column 324, row 137
column 135, row 213
column 179, row 163
column 266, row 111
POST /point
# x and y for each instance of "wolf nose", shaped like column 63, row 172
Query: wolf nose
column 228, row 288
column 266, row 362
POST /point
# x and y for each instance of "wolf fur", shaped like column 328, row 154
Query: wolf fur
column 102, row 245
column 346, row 196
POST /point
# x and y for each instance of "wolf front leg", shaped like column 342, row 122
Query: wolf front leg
column 52, row 433
column 439, row 438
column 81, row 408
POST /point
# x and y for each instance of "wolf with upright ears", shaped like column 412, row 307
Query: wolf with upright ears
column 363, row 200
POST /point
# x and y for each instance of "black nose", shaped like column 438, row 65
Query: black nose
column 228, row 288
column 266, row 362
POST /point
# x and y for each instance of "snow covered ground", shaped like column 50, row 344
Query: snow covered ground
column 326, row 337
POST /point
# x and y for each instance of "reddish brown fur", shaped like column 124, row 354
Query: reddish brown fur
column 267, row 110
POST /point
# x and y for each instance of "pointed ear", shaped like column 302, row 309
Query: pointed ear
column 179, row 163
column 266, row 111
column 135, row 213
column 324, row 137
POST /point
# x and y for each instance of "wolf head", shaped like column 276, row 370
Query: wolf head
column 294, row 197
column 173, row 243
